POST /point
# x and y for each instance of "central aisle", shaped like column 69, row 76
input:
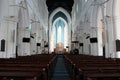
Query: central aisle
column 60, row 72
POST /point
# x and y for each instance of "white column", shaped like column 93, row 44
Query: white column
column 99, row 32
column 116, row 18
column 43, row 39
column 85, row 39
column 38, row 38
column 69, row 28
column 81, row 32
column 23, row 31
column 93, row 26
column 33, row 38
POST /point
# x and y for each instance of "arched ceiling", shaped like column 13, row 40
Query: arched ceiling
column 59, row 14
column 53, row 4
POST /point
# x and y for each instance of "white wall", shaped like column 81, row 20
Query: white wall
column 98, row 12
column 11, row 13
column 8, row 27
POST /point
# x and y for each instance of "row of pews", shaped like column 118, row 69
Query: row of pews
column 34, row 67
column 86, row 67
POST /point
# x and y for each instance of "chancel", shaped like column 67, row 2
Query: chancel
column 60, row 36
column 59, row 40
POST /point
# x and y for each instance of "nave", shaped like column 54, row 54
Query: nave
column 59, row 39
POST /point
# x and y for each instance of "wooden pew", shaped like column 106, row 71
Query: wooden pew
column 35, row 67
column 85, row 67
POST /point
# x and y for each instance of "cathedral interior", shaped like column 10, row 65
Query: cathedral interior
column 59, row 40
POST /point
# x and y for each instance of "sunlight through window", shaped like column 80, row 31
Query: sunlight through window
column 59, row 34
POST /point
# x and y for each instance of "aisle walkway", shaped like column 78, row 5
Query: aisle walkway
column 60, row 72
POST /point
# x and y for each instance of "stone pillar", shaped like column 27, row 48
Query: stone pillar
column 23, row 31
column 38, row 38
column 116, row 21
column 33, row 38
column 94, row 31
column 86, row 37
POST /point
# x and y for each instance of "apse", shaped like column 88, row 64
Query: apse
column 59, row 34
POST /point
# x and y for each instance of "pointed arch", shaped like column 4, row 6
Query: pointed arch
column 58, row 10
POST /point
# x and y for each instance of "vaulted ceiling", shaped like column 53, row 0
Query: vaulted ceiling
column 53, row 4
